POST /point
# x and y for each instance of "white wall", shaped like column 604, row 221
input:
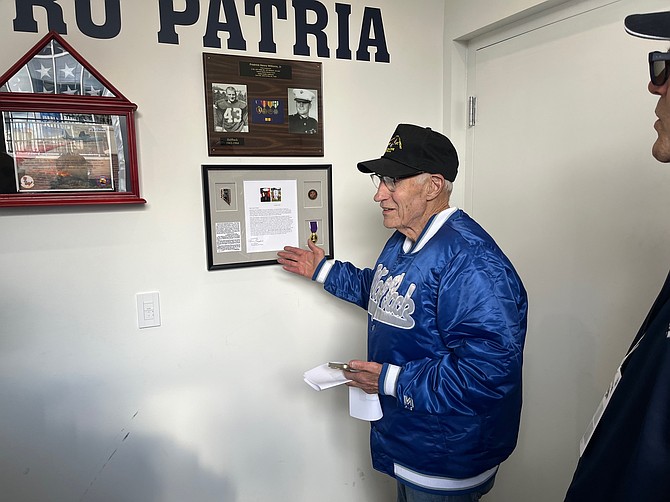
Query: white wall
column 213, row 399
column 463, row 21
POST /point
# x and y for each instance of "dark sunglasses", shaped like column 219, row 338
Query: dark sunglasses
column 659, row 67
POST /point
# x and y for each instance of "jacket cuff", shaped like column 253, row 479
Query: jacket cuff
column 322, row 271
column 388, row 379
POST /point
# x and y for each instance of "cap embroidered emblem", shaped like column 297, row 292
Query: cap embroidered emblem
column 394, row 143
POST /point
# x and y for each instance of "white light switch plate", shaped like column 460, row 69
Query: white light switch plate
column 148, row 310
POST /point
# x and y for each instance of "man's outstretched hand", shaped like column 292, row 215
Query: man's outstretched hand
column 301, row 261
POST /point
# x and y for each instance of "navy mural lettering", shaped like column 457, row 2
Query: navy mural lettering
column 303, row 28
column 231, row 25
column 343, row 14
column 372, row 18
column 267, row 43
column 310, row 26
column 170, row 18
column 25, row 20
column 109, row 29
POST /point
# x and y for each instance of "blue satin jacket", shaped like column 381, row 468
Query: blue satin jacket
column 447, row 319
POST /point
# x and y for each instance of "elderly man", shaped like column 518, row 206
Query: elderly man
column 301, row 122
column 446, row 328
column 626, row 452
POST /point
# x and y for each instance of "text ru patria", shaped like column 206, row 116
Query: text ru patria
column 311, row 18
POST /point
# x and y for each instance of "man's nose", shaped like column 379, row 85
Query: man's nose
column 659, row 90
column 382, row 192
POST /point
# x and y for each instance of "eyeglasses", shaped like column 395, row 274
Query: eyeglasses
column 659, row 67
column 390, row 183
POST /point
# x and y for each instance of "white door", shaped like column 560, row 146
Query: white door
column 559, row 171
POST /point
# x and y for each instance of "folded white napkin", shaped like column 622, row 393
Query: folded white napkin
column 361, row 405
column 322, row 377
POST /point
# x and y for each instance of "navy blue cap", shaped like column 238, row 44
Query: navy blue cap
column 655, row 25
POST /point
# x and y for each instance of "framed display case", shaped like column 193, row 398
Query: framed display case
column 251, row 212
column 262, row 106
column 67, row 136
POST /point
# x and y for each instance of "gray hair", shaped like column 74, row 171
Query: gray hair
column 448, row 185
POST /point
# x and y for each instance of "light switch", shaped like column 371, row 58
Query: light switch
column 148, row 310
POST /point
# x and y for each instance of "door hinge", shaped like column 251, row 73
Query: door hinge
column 472, row 110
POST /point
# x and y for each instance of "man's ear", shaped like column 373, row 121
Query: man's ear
column 436, row 185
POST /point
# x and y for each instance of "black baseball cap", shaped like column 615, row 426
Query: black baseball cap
column 414, row 150
column 654, row 25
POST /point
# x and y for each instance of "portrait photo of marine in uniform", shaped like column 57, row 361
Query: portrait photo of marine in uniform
column 231, row 110
column 303, row 111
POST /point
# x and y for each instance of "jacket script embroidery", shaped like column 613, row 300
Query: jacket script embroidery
column 386, row 304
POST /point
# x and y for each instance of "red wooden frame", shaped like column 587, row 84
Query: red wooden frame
column 85, row 104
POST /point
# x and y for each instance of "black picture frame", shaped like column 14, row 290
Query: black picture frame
column 253, row 211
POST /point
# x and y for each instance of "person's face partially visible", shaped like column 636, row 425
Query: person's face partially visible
column 231, row 95
column 405, row 207
column 661, row 148
column 302, row 107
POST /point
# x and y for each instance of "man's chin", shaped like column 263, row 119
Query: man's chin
column 389, row 223
column 661, row 150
